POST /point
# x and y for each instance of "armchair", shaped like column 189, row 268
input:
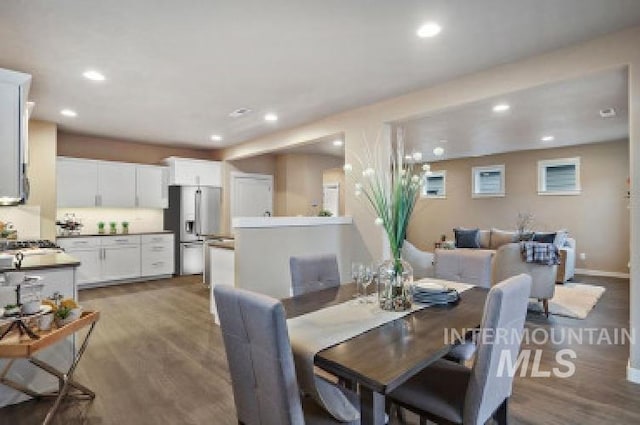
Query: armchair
column 508, row 262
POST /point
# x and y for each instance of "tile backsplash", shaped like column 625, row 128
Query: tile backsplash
column 140, row 219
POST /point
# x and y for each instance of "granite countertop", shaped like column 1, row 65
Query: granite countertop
column 93, row 235
column 221, row 244
column 46, row 261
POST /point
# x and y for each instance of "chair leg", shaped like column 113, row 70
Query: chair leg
column 545, row 305
column 501, row 414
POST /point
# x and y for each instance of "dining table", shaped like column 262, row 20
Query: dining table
column 379, row 360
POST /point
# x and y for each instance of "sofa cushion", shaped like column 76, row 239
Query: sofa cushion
column 502, row 237
column 467, row 238
column 561, row 238
column 485, row 239
column 544, row 237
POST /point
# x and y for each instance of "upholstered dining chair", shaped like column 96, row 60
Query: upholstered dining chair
column 449, row 393
column 263, row 375
column 313, row 272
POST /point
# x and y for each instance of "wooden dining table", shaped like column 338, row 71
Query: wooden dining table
column 380, row 360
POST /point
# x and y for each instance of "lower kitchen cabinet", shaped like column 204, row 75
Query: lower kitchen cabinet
column 114, row 259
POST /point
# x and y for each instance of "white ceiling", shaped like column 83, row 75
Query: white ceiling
column 566, row 110
column 321, row 146
column 175, row 69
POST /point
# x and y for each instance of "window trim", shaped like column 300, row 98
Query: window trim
column 475, row 172
column 542, row 174
column 423, row 192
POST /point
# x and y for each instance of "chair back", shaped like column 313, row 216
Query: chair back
column 313, row 272
column 260, row 360
column 503, row 320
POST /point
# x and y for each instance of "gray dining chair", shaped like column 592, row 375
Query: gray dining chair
column 449, row 393
column 313, row 272
column 263, row 375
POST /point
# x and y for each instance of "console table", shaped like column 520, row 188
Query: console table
column 14, row 348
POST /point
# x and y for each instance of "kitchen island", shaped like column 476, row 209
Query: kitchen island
column 263, row 246
column 58, row 273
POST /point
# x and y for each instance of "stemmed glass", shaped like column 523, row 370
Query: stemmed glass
column 356, row 276
column 366, row 280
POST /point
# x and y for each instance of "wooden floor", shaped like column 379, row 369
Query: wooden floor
column 156, row 358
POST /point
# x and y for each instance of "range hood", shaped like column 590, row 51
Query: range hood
column 14, row 120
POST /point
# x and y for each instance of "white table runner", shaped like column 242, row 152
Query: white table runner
column 315, row 331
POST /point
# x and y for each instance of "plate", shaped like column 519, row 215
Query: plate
column 430, row 288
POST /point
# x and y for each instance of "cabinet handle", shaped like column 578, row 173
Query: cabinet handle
column 157, row 249
column 157, row 263
column 137, row 201
column 80, row 242
column 95, row 200
column 122, row 240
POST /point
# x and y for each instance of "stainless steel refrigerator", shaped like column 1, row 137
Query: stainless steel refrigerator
column 193, row 214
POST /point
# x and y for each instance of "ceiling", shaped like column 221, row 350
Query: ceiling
column 567, row 110
column 322, row 146
column 175, row 70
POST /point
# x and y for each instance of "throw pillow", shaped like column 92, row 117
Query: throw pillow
column 485, row 239
column 561, row 238
column 467, row 238
column 421, row 261
column 544, row 237
column 502, row 237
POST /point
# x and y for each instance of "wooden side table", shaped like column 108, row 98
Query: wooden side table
column 15, row 348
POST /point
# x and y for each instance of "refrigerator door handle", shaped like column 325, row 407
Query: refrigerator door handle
column 198, row 218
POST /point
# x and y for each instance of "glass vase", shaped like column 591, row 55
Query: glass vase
column 395, row 285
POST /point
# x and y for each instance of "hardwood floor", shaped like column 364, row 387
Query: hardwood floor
column 157, row 358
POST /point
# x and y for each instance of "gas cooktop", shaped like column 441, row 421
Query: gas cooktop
column 37, row 245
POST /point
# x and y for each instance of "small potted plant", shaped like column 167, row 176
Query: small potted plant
column 101, row 227
column 125, row 227
column 113, row 228
column 67, row 312
column 325, row 213
column 11, row 310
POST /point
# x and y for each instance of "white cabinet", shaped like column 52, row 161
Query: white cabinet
column 106, row 259
column 116, row 184
column 89, row 183
column 77, row 182
column 194, row 172
column 157, row 255
column 222, row 261
column 152, row 186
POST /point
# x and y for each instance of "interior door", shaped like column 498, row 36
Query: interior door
column 252, row 195
column 331, row 198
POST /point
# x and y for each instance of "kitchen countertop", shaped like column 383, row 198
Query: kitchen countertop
column 222, row 244
column 46, row 261
column 93, row 235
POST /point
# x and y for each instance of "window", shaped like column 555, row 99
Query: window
column 559, row 177
column 488, row 181
column 435, row 185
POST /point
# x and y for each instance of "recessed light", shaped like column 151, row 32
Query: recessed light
column 68, row 113
column 438, row 151
column 417, row 156
column 547, row 138
column 429, row 29
column 501, row 107
column 271, row 117
column 93, row 75
column 216, row 137
column 338, row 142
column 607, row 113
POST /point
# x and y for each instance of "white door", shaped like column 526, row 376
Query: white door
column 77, row 182
column 152, row 186
column 331, row 198
column 120, row 262
column 117, row 184
column 252, row 195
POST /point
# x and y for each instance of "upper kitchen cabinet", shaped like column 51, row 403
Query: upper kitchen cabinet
column 194, row 172
column 14, row 88
column 89, row 183
column 116, row 184
column 152, row 186
column 77, row 182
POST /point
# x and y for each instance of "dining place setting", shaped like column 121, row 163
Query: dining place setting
column 369, row 348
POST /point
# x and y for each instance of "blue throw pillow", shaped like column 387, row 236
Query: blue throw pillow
column 467, row 238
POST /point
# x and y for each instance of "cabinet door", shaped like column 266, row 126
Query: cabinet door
column 116, row 184
column 152, row 186
column 120, row 262
column 157, row 259
column 90, row 265
column 77, row 182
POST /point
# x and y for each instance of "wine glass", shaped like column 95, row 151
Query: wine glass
column 366, row 279
column 356, row 276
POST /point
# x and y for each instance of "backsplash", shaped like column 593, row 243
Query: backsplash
column 26, row 220
column 140, row 219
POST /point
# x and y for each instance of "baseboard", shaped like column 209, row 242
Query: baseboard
column 103, row 284
column 602, row 273
column 633, row 374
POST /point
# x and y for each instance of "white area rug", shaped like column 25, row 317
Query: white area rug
column 574, row 300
